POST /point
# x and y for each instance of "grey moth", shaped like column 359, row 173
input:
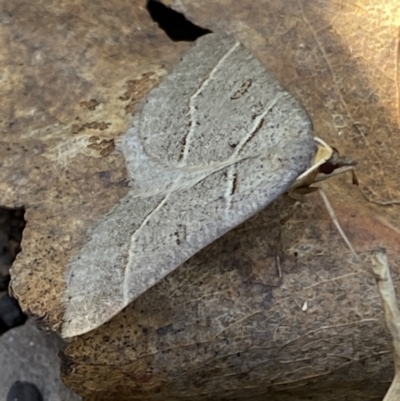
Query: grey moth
column 217, row 141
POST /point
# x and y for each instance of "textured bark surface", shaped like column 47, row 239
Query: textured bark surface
column 224, row 325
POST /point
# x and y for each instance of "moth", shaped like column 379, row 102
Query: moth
column 216, row 142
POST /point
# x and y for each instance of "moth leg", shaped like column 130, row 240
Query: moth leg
column 305, row 190
column 278, row 265
column 354, row 177
column 282, row 222
column 336, row 222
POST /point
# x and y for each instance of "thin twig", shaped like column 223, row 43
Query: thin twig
column 392, row 315
column 378, row 202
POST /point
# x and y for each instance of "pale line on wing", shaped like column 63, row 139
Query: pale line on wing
column 192, row 108
column 130, row 252
column 229, row 186
column 257, row 121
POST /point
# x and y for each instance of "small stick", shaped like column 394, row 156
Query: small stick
column 392, row 315
column 366, row 197
column 336, row 222
column 381, row 203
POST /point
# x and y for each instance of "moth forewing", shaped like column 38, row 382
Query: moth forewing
column 196, row 173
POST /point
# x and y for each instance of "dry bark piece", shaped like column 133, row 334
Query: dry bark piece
column 339, row 61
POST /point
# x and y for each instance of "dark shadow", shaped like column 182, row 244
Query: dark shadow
column 12, row 224
column 174, row 24
column 24, row 391
column 11, row 314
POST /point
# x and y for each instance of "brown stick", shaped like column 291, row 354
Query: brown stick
column 392, row 315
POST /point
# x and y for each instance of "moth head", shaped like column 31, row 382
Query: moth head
column 327, row 163
column 335, row 165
